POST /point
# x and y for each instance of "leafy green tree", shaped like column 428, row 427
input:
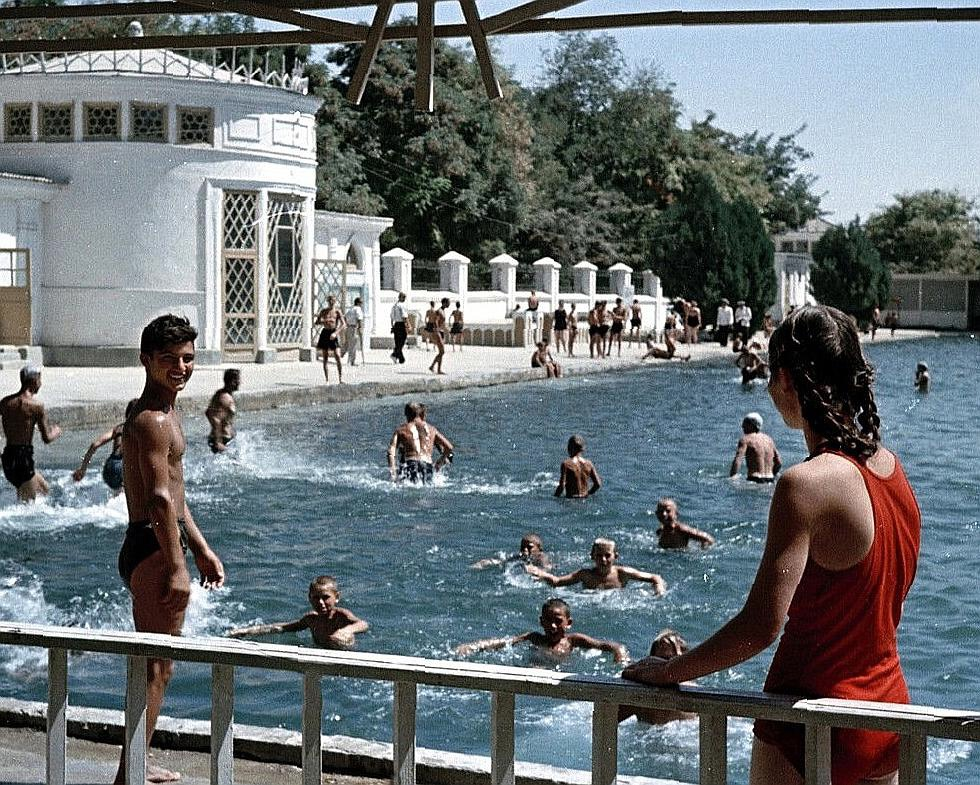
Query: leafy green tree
column 848, row 273
column 706, row 248
column 928, row 231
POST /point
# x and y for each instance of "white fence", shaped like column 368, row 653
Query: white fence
column 914, row 723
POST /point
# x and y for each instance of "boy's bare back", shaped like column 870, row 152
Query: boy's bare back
column 577, row 473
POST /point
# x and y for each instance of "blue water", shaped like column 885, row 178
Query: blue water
column 308, row 494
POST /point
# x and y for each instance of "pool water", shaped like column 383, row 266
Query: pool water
column 307, row 493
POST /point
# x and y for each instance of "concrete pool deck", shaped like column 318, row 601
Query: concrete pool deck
column 97, row 396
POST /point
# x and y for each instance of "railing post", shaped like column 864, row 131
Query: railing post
column 222, row 724
column 502, row 738
column 817, row 754
column 713, row 733
column 403, row 733
column 135, row 741
column 605, row 742
column 912, row 760
column 312, row 742
column 57, row 716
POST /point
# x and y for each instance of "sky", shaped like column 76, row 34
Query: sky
column 888, row 108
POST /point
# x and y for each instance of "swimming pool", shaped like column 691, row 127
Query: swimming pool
column 308, row 494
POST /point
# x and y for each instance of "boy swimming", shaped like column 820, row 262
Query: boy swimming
column 530, row 552
column 332, row 627
column 673, row 533
column 556, row 642
column 606, row 574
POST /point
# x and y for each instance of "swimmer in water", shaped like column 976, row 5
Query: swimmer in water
column 667, row 645
column 759, row 450
column 19, row 413
column 412, row 445
column 332, row 627
column 577, row 472
column 112, row 469
column 221, row 412
column 922, row 378
column 530, row 552
column 673, row 533
column 606, row 574
column 556, row 642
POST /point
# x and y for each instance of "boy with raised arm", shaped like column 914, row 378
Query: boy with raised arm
column 577, row 472
column 332, row 627
column 606, row 574
column 20, row 413
column 530, row 552
column 673, row 533
column 556, row 642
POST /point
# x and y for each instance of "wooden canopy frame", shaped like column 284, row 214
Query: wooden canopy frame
column 528, row 17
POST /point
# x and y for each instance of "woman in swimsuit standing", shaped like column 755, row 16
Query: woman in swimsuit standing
column 572, row 330
column 843, row 524
column 559, row 326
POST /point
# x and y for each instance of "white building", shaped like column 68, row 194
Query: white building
column 137, row 183
column 792, row 260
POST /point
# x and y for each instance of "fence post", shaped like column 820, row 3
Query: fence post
column 605, row 742
column 817, row 754
column 135, row 741
column 312, row 742
column 713, row 733
column 57, row 715
column 222, row 724
column 912, row 760
column 403, row 733
column 502, row 738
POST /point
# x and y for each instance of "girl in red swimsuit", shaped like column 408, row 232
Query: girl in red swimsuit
column 840, row 556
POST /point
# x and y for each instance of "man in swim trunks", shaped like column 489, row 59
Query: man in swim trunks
column 577, row 472
column 759, row 450
column 19, row 413
column 412, row 444
column 636, row 321
column 152, row 560
column 618, row 322
column 221, row 412
column 333, row 322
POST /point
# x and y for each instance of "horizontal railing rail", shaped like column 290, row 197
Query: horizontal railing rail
column 915, row 724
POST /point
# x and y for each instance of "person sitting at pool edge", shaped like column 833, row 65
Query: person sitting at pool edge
column 530, row 552
column 576, row 472
column 606, row 574
column 332, row 627
column 555, row 642
column 413, row 443
column 667, row 645
column 673, row 533
column 762, row 459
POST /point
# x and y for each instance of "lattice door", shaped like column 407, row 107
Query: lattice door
column 239, row 257
column 285, row 271
column 329, row 277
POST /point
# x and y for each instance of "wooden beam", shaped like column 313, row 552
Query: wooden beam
column 371, row 44
column 481, row 49
column 315, row 24
column 156, row 7
column 524, row 13
column 425, row 59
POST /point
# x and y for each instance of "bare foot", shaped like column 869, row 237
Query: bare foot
column 441, row 373
column 158, row 774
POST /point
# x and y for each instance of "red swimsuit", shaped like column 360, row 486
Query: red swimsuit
column 840, row 638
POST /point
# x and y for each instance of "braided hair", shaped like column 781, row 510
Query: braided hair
column 819, row 348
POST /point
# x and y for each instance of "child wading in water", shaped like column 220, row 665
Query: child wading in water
column 606, row 574
column 667, row 645
column 530, row 552
column 555, row 642
column 577, row 472
column 332, row 627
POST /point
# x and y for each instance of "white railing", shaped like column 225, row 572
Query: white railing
column 914, row 723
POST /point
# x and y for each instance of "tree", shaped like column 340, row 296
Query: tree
column 928, row 231
column 706, row 248
column 848, row 273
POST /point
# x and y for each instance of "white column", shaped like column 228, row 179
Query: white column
column 262, row 277
column 546, row 275
column 372, row 291
column 584, row 275
column 397, row 267
column 503, row 277
column 309, row 251
column 454, row 273
column 620, row 279
column 29, row 236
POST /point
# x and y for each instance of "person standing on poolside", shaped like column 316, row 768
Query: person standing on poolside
column 572, row 329
column 221, row 412
column 411, row 447
column 532, row 314
column 559, row 326
column 743, row 320
column 333, row 322
column 456, row 328
column 692, row 321
column 762, row 459
column 161, row 528
column 437, row 336
column 399, row 328
column 355, row 331
column 618, row 323
column 843, row 524
column 19, row 413
column 724, row 320
column 636, row 321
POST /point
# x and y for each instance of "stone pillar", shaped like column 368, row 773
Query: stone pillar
column 620, row 279
column 454, row 273
column 306, row 351
column 546, row 276
column 584, row 275
column 503, row 277
column 651, row 284
column 396, row 270
column 263, row 352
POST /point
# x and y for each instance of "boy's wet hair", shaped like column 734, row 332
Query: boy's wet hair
column 576, row 444
column 532, row 538
column 131, row 408
column 323, row 582
column 669, row 635
column 164, row 331
column 555, row 604
column 29, row 374
column 232, row 374
column 818, row 346
column 663, row 501
column 605, row 543
column 413, row 409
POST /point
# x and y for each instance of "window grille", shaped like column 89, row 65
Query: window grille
column 239, row 257
column 17, row 122
column 195, row 126
column 14, row 267
column 57, row 122
column 148, row 122
column 101, row 122
column 285, row 270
